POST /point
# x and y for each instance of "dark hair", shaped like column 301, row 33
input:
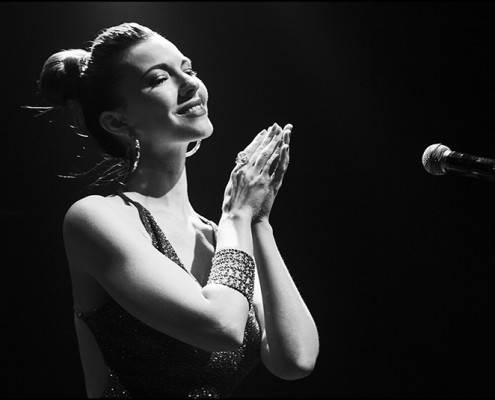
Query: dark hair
column 84, row 82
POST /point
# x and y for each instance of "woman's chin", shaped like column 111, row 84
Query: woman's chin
column 207, row 130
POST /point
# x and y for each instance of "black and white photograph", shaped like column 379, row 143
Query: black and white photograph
column 248, row 199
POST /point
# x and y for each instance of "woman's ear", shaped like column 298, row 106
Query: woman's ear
column 114, row 122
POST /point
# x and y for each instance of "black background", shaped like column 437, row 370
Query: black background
column 395, row 264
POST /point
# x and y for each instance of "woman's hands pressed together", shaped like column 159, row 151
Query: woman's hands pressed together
column 253, row 185
column 290, row 344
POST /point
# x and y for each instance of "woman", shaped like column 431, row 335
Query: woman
column 167, row 303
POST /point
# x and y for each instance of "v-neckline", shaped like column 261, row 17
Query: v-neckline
column 173, row 256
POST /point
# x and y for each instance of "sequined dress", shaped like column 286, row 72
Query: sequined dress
column 146, row 363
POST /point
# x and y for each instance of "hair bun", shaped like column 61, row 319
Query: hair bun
column 60, row 75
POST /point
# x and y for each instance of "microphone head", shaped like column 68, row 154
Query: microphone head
column 432, row 159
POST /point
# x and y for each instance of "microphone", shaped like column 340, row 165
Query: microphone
column 438, row 159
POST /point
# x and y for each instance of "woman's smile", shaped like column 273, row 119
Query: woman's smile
column 192, row 109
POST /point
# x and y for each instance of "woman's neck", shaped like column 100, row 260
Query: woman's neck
column 162, row 190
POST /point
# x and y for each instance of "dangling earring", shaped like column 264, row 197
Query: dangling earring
column 194, row 149
column 137, row 154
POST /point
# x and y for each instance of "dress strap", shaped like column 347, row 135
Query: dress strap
column 158, row 238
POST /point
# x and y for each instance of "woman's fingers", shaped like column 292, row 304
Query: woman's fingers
column 287, row 131
column 266, row 149
column 277, row 164
column 261, row 137
column 283, row 164
column 271, row 131
column 267, row 155
column 251, row 147
column 272, row 162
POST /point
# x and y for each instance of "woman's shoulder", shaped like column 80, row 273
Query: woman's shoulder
column 86, row 206
column 99, row 227
column 94, row 200
column 91, row 210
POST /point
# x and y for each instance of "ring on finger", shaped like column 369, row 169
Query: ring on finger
column 242, row 158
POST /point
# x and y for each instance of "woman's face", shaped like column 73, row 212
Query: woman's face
column 164, row 102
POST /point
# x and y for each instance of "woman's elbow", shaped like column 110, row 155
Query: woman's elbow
column 298, row 370
column 226, row 322
column 294, row 367
column 228, row 337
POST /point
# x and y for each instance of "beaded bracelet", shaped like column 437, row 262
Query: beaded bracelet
column 234, row 268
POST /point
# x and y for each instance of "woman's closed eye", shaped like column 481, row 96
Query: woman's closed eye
column 159, row 79
column 191, row 72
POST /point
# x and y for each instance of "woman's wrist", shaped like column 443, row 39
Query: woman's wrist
column 261, row 223
column 234, row 231
column 236, row 217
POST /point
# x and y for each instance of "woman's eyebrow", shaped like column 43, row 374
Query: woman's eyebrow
column 186, row 60
column 165, row 66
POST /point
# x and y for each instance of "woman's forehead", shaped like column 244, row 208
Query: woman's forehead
column 152, row 51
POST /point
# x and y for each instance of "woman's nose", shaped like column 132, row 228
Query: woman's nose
column 189, row 87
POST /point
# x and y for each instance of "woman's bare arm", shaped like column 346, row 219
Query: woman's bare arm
column 290, row 343
column 149, row 285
